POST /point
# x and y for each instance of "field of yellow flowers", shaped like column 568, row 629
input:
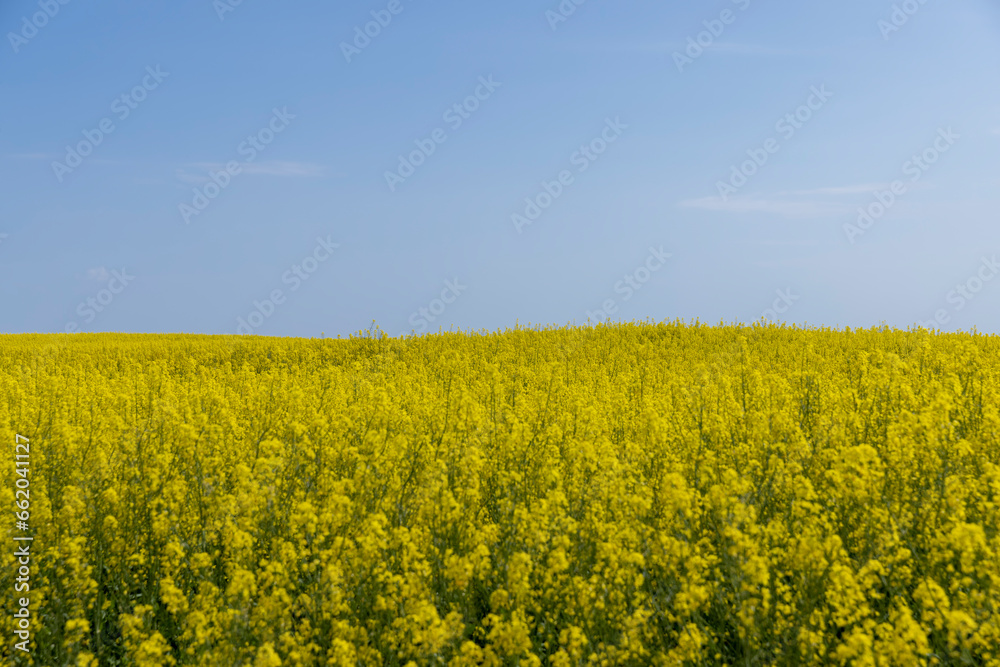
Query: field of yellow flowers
column 633, row 494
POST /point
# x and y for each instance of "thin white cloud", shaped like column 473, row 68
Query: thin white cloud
column 789, row 263
column 863, row 188
column 99, row 274
column 726, row 48
column 265, row 168
column 189, row 178
column 29, row 156
column 279, row 168
column 786, row 208
column 737, row 49
column 809, row 203
column 789, row 243
column 996, row 130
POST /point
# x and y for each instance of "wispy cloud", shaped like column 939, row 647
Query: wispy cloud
column 809, row 203
column 98, row 274
column 29, row 156
column 198, row 173
column 810, row 262
column 737, row 49
column 863, row 188
column 192, row 179
column 797, row 243
column 279, row 168
column 783, row 207
column 725, row 48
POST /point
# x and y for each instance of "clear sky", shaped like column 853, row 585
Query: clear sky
column 264, row 167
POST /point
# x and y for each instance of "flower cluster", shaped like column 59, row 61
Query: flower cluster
column 633, row 494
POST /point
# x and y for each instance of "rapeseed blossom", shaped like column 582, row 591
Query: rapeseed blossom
column 634, row 494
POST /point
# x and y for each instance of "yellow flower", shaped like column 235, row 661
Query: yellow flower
column 670, row 493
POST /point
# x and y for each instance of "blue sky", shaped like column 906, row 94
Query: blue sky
column 626, row 160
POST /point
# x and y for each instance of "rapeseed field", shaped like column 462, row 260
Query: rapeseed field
column 633, row 494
